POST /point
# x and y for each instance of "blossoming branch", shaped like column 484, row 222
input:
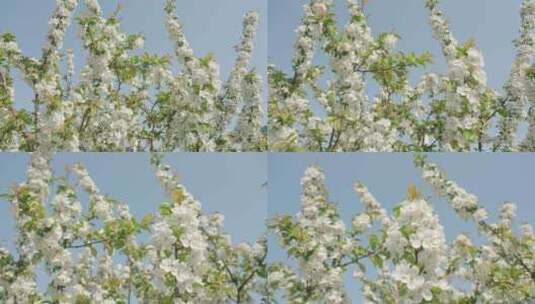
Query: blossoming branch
column 96, row 251
column 453, row 111
column 402, row 256
column 126, row 101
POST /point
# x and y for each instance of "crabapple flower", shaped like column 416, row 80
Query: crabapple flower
column 97, row 251
column 123, row 98
column 411, row 257
column 455, row 110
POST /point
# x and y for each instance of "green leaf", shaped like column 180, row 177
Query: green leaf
column 397, row 211
column 377, row 261
column 374, row 241
column 165, row 209
column 407, row 231
column 146, row 221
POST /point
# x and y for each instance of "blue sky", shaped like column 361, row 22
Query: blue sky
column 211, row 26
column 493, row 177
column 493, row 24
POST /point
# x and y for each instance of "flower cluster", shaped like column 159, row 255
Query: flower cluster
column 124, row 99
column 455, row 111
column 92, row 249
column 404, row 256
column 98, row 252
column 317, row 241
column 518, row 84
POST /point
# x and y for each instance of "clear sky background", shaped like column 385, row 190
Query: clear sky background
column 211, row 26
column 493, row 24
column 493, row 177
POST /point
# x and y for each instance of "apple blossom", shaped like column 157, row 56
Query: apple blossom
column 124, row 99
column 402, row 256
column 454, row 111
column 99, row 252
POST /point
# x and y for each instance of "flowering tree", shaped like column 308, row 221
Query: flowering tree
column 455, row 111
column 102, row 254
column 126, row 101
column 402, row 257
